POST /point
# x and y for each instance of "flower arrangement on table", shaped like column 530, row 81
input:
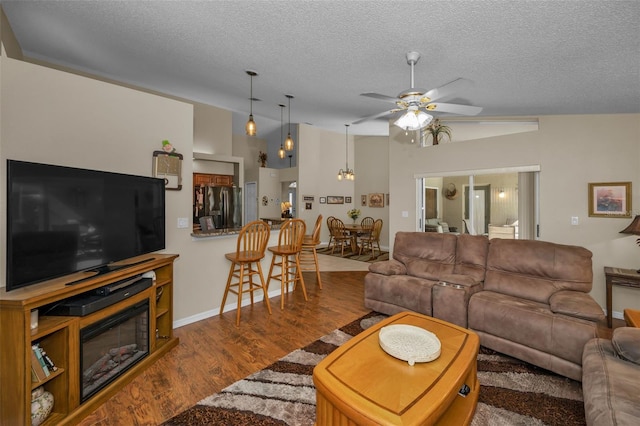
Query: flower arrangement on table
column 354, row 214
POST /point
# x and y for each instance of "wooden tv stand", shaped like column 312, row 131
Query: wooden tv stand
column 60, row 337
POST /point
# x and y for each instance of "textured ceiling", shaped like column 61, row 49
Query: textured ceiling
column 525, row 58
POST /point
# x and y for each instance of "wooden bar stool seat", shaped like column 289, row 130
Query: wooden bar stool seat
column 245, row 265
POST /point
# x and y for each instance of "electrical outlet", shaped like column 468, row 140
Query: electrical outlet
column 405, row 213
column 574, row 220
column 183, row 222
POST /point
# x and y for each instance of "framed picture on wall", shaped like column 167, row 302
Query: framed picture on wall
column 323, row 200
column 347, row 200
column 335, row 199
column 363, row 200
column 376, row 200
column 610, row 199
column 307, row 206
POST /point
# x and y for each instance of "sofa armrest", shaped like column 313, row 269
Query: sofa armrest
column 576, row 304
column 388, row 267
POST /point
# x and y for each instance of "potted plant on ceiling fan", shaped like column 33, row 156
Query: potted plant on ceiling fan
column 436, row 129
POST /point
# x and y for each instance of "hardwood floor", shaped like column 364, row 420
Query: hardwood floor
column 214, row 353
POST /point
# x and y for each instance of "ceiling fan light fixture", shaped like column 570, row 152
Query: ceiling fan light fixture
column 251, row 127
column 414, row 120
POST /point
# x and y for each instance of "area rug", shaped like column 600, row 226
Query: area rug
column 512, row 392
column 348, row 254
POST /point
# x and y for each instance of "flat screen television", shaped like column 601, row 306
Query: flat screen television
column 62, row 220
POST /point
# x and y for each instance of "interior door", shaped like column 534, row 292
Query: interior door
column 431, row 203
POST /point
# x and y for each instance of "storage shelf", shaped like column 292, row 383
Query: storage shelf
column 59, row 336
column 52, row 376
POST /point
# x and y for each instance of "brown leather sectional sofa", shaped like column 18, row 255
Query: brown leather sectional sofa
column 528, row 299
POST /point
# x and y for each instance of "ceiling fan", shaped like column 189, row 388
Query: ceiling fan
column 418, row 102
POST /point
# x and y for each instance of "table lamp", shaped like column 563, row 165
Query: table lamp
column 634, row 229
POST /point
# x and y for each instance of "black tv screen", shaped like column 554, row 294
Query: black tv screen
column 62, row 220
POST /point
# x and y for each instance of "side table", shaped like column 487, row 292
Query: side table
column 621, row 277
column 632, row 317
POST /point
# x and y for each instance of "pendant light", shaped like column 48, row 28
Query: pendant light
column 251, row 125
column 288, row 144
column 281, row 152
column 346, row 173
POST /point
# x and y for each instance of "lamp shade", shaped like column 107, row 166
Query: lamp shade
column 633, row 228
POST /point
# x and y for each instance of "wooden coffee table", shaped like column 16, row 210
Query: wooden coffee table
column 360, row 384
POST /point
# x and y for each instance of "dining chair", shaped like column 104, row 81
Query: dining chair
column 309, row 254
column 286, row 256
column 245, row 265
column 373, row 239
column 367, row 224
column 340, row 236
column 329, row 220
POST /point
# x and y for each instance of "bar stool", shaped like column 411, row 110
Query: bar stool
column 286, row 256
column 245, row 264
column 308, row 254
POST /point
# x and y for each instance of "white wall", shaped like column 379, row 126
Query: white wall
column 572, row 151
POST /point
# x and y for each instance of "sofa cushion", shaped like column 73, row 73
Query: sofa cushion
column 626, row 341
column 530, row 323
column 535, row 270
column 610, row 386
column 425, row 254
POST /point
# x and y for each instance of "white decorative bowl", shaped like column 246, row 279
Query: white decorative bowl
column 409, row 343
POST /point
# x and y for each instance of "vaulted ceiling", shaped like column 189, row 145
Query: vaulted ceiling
column 525, row 58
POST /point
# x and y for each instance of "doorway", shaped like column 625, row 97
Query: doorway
column 480, row 209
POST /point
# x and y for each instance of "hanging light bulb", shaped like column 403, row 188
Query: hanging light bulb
column 288, row 144
column 250, row 127
column 346, row 173
column 281, row 152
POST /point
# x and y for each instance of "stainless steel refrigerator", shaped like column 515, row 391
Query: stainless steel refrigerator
column 224, row 205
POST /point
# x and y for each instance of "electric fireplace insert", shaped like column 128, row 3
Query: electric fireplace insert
column 110, row 347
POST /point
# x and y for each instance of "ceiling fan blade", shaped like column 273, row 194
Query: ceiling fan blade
column 380, row 97
column 454, row 108
column 448, row 89
column 373, row 117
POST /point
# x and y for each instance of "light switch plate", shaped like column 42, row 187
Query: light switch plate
column 574, row 220
column 183, row 222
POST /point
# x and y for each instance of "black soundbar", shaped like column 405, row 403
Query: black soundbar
column 90, row 302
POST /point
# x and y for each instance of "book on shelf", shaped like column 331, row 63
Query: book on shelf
column 38, row 351
column 48, row 361
column 36, row 368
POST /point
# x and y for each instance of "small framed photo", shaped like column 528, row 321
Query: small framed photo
column 307, row 206
column 308, row 198
column 610, row 199
column 347, row 200
column 363, row 200
column 335, row 199
column 323, row 200
column 376, row 200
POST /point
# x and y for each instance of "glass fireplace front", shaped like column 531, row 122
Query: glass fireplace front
column 110, row 347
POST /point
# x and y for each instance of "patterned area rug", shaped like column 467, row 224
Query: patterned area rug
column 348, row 254
column 512, row 392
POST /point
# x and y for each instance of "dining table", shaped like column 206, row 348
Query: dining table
column 354, row 229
